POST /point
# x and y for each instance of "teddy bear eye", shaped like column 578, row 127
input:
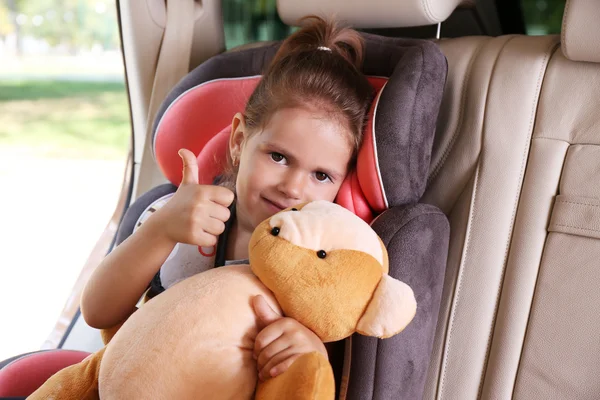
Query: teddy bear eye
column 294, row 209
column 275, row 231
column 321, row 254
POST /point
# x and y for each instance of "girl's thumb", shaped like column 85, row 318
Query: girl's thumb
column 263, row 311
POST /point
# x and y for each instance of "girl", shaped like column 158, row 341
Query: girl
column 295, row 142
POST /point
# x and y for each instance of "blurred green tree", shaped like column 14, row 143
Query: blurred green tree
column 75, row 24
column 13, row 8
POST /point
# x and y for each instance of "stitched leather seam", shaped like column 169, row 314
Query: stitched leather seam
column 550, row 50
column 580, row 204
column 551, row 138
column 461, row 117
column 577, row 227
column 563, row 32
column 458, row 287
column 568, row 142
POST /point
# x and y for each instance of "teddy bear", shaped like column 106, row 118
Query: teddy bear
column 317, row 263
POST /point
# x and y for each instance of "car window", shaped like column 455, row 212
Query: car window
column 543, row 17
column 247, row 21
column 64, row 139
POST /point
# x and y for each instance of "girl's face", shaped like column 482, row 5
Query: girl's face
column 300, row 156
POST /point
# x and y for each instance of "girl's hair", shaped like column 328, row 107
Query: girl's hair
column 318, row 66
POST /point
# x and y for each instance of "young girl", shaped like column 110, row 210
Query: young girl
column 295, row 142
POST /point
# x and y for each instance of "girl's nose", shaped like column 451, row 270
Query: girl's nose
column 293, row 184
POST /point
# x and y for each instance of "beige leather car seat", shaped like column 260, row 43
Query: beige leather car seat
column 516, row 167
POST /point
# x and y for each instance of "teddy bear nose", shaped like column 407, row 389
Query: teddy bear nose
column 275, row 231
column 321, row 254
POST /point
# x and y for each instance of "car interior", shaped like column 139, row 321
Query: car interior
column 515, row 168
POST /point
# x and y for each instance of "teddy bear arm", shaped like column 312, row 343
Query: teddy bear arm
column 310, row 377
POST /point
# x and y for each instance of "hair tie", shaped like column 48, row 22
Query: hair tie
column 325, row 48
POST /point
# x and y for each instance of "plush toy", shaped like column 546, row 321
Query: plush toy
column 317, row 263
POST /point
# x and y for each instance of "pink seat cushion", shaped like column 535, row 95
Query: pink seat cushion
column 24, row 375
column 195, row 121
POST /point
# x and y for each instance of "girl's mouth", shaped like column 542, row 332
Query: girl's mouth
column 273, row 205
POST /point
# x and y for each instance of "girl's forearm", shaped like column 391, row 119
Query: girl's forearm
column 122, row 277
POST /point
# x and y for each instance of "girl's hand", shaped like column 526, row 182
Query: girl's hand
column 281, row 341
column 196, row 214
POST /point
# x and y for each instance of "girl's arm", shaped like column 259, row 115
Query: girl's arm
column 122, row 277
column 196, row 214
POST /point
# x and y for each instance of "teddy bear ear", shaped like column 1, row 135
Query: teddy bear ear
column 391, row 309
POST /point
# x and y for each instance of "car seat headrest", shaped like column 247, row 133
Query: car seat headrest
column 393, row 162
column 580, row 33
column 372, row 13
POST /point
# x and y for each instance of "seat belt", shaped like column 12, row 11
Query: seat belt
column 172, row 65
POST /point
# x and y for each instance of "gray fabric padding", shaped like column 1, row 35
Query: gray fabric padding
column 135, row 210
column 416, row 237
column 407, row 112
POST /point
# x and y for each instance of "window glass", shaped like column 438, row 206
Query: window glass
column 543, row 17
column 248, row 21
column 64, row 139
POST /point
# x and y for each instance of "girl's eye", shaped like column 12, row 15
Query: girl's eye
column 277, row 157
column 322, row 177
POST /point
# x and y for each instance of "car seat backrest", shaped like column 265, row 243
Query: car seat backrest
column 393, row 162
column 390, row 177
column 477, row 177
column 516, row 167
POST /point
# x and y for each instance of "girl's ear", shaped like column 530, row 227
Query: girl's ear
column 238, row 136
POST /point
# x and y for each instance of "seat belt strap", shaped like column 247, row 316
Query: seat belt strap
column 171, row 66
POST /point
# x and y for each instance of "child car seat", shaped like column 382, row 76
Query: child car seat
column 390, row 178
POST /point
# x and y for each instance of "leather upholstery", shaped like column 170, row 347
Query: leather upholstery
column 580, row 33
column 370, row 14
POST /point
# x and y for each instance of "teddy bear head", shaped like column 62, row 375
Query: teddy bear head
column 329, row 270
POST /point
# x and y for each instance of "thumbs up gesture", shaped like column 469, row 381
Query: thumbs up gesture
column 196, row 214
